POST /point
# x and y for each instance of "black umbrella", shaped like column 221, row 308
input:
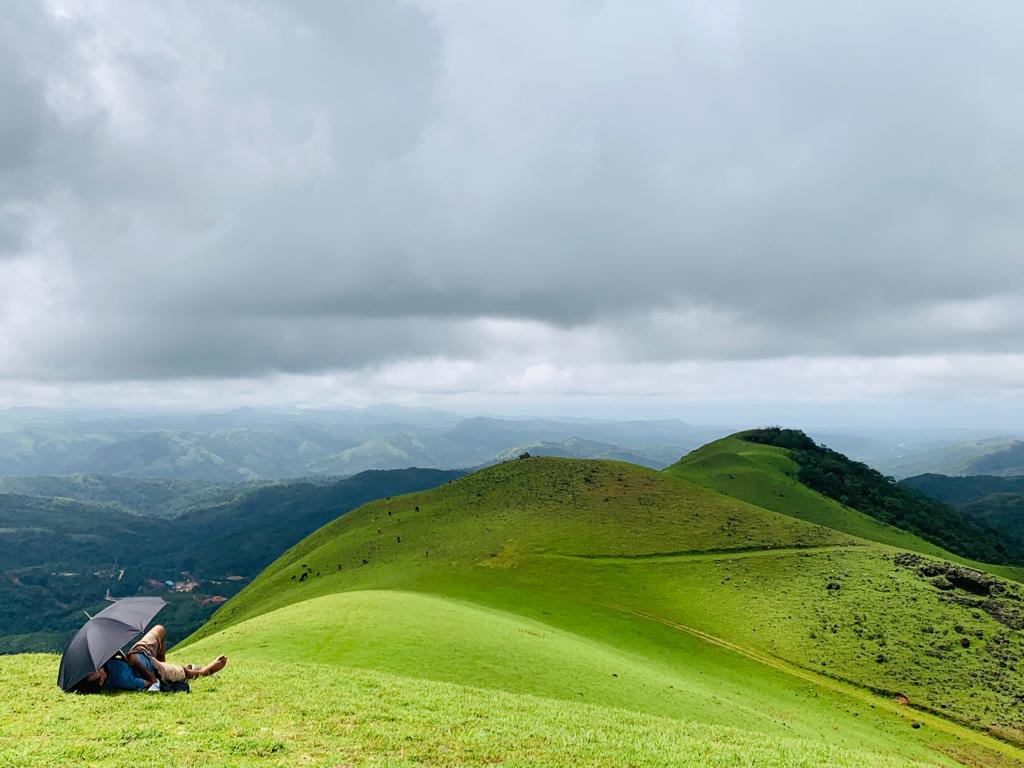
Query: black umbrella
column 103, row 635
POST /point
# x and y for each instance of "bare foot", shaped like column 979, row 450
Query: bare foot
column 214, row 666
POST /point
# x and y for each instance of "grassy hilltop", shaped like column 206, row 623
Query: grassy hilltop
column 557, row 611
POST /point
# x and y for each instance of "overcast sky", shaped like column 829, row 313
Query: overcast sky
column 638, row 206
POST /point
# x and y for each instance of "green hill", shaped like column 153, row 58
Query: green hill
column 772, row 477
column 556, row 611
column 552, row 511
column 607, row 584
column 1002, row 511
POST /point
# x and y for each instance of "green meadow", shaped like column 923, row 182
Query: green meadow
column 556, row 612
column 293, row 714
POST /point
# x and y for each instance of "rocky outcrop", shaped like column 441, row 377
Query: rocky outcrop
column 969, row 587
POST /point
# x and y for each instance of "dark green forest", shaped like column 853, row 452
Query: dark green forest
column 61, row 556
column 996, row 501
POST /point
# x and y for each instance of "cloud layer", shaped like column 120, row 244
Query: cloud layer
column 238, row 190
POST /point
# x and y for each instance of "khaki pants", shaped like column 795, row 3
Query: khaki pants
column 152, row 645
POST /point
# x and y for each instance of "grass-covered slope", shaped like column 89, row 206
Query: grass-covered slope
column 276, row 714
column 454, row 641
column 857, row 485
column 607, row 584
column 769, row 476
column 489, row 522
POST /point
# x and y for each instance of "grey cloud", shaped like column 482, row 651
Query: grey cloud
column 234, row 189
column 114, row 349
column 27, row 128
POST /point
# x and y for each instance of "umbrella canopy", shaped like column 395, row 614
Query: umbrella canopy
column 103, row 635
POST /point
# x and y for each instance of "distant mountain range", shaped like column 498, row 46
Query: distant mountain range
column 999, row 456
column 252, row 445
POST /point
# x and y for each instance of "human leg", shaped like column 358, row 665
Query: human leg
column 152, row 643
column 213, row 667
column 175, row 673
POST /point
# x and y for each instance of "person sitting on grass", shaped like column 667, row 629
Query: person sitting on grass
column 145, row 668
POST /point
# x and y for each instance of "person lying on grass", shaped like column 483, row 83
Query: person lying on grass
column 145, row 667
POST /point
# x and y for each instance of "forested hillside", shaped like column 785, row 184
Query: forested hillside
column 996, row 501
column 60, row 556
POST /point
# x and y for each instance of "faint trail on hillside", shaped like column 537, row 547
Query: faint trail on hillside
column 840, row 686
column 709, row 554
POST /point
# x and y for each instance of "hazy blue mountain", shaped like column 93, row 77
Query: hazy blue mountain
column 1007, row 461
column 249, row 445
column 48, row 450
column 223, row 455
column 993, row 456
column 393, row 451
column 904, row 452
column 575, row 448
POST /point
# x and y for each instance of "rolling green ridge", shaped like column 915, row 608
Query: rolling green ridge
column 767, row 475
column 148, row 496
column 575, row 448
column 488, row 522
column 1007, row 462
column 1002, row 511
column 717, row 610
column 857, row 485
